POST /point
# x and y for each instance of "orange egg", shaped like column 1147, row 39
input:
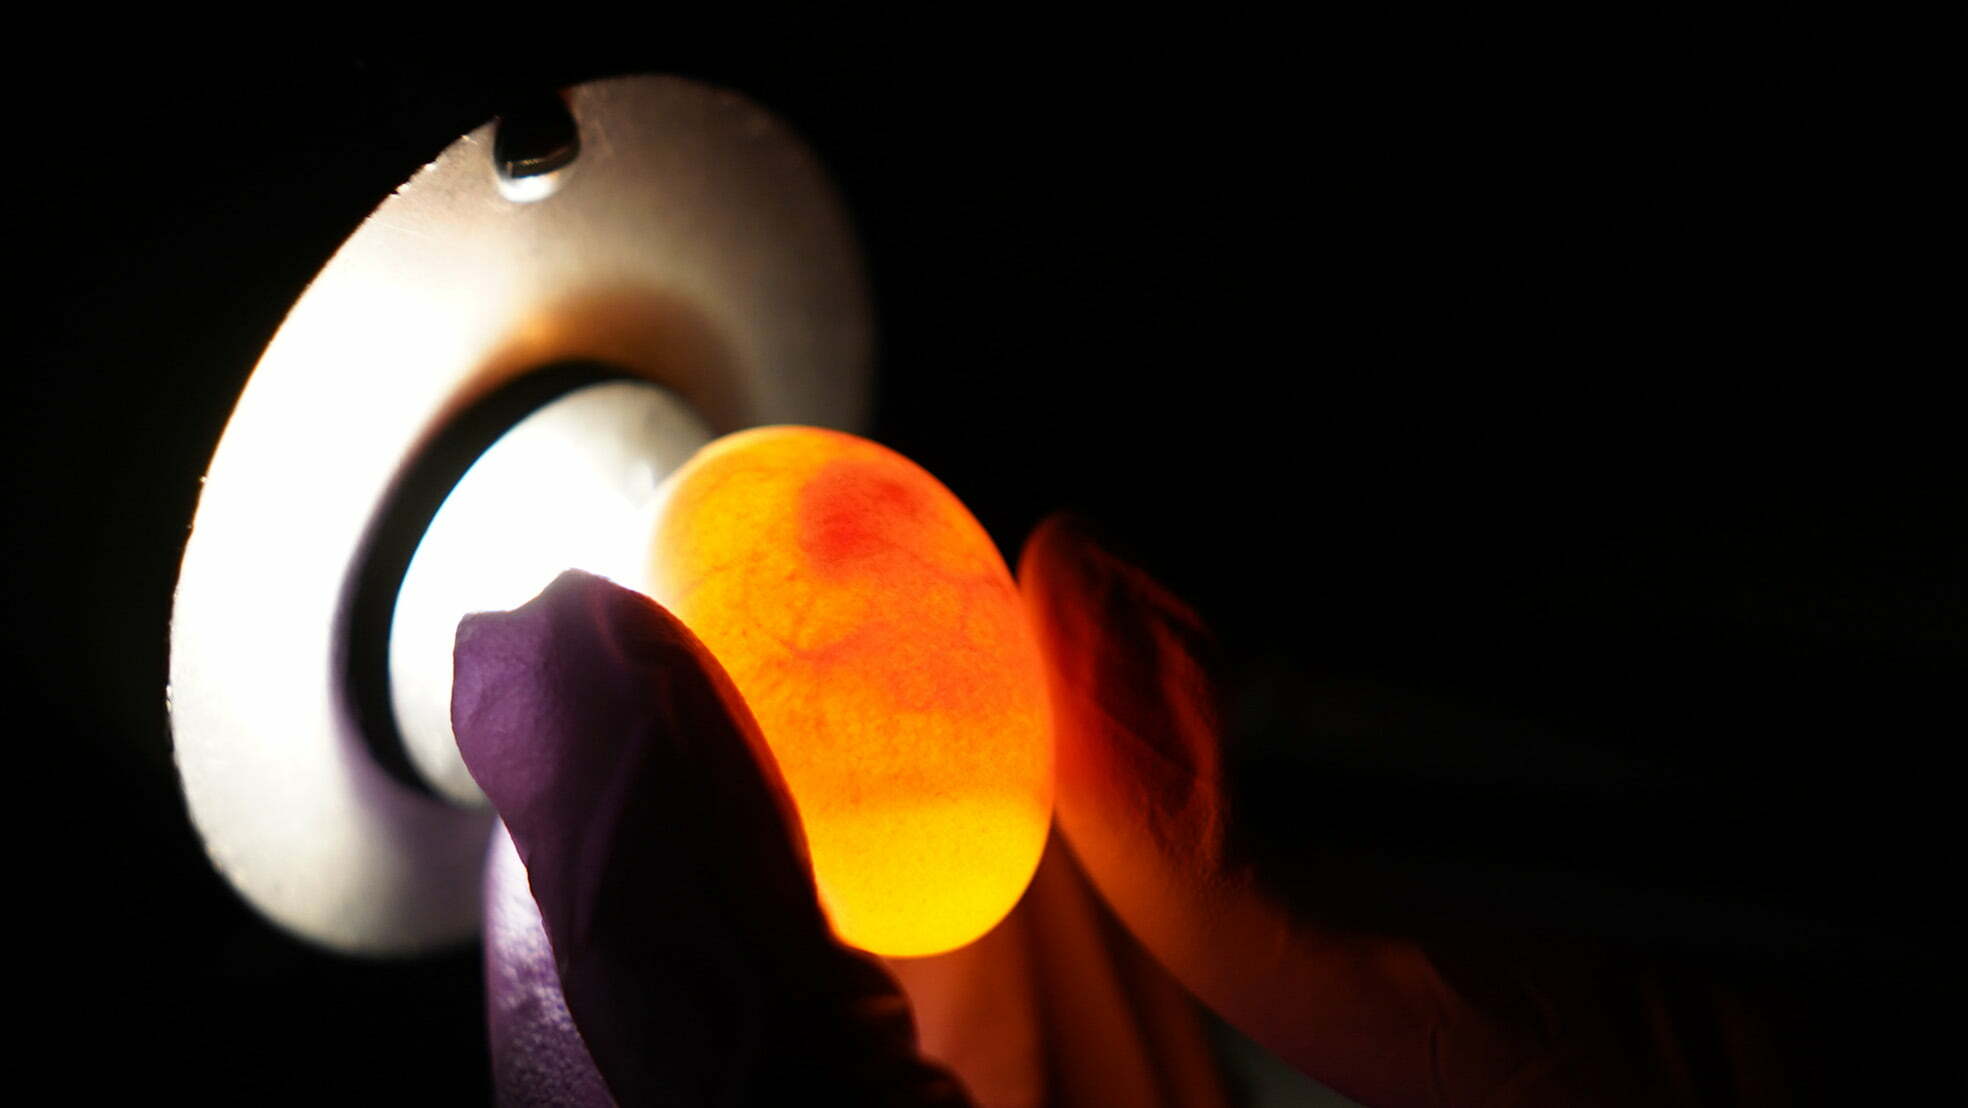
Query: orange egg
column 877, row 637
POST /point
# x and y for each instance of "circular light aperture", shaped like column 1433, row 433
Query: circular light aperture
column 694, row 242
column 571, row 486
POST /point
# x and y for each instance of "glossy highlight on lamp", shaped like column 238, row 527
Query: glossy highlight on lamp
column 877, row 637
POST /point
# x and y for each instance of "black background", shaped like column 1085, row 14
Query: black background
column 1556, row 446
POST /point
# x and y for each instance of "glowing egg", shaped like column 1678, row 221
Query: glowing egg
column 876, row 634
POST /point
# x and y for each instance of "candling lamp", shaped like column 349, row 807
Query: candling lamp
column 667, row 264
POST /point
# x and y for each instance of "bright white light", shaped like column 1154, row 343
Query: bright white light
column 525, row 190
column 571, row 486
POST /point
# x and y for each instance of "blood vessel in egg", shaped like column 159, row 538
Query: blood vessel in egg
column 874, row 631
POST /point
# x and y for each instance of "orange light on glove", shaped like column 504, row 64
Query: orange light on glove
column 877, row 637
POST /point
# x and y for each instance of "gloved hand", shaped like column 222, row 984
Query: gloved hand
column 669, row 874
column 1390, row 1021
column 668, row 871
column 670, row 877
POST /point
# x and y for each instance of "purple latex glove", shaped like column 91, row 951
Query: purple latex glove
column 538, row 1058
column 669, row 873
